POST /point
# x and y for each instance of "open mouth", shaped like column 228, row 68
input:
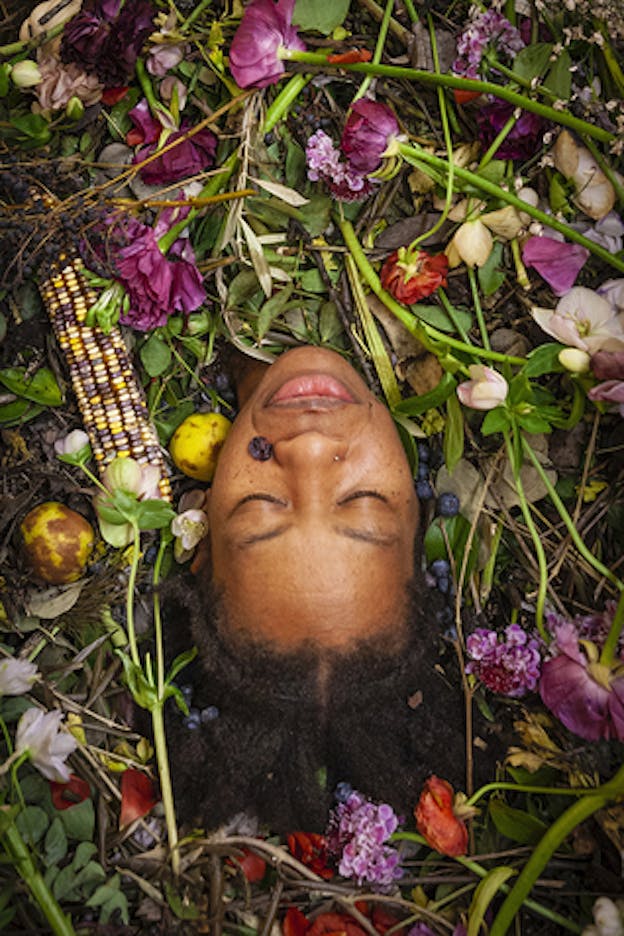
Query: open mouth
column 312, row 389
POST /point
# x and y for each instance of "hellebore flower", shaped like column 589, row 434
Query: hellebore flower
column 367, row 133
column 266, row 27
column 486, row 30
column 106, row 37
column 485, row 390
column 437, row 821
column 510, row 666
column 607, row 365
column 189, row 528
column 613, row 291
column 411, row 275
column 472, row 243
column 39, row 733
column 66, row 795
column 74, row 447
column 611, row 391
column 583, row 319
column 17, row 676
column 522, row 141
column 584, row 694
column 557, row 262
column 574, row 360
column 356, row 833
column 124, row 474
column 311, row 850
column 60, row 83
column 325, row 163
column 594, row 193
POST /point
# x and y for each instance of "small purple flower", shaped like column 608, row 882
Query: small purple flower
column 106, row 37
column 367, row 133
column 611, row 391
column 490, row 29
column 522, row 141
column 557, row 262
column 509, row 666
column 584, row 694
column 608, row 365
column 266, row 27
column 356, row 833
column 325, row 163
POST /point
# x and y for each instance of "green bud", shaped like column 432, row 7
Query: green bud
column 26, row 74
column 75, row 108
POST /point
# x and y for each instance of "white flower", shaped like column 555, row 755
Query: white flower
column 25, row 74
column 17, row 676
column 48, row 746
column 472, row 244
column 583, row 319
column 594, row 193
column 73, row 444
column 574, row 360
column 189, row 528
column 608, row 918
column 485, row 390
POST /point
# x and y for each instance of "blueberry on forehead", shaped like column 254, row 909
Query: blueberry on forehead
column 260, row 448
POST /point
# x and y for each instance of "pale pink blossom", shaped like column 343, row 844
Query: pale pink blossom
column 40, row 734
column 60, row 83
column 485, row 390
column 17, row 676
column 583, row 319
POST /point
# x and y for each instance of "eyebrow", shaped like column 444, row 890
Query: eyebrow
column 255, row 497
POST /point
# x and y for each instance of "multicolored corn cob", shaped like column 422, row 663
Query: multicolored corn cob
column 110, row 398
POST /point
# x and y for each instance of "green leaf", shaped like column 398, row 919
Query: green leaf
column 534, row 422
column 154, row 514
column 453, row 444
column 531, row 61
column 167, row 423
column 544, row 360
column 330, row 326
column 438, row 317
column 32, row 824
column 497, row 420
column 55, row 844
column 182, row 660
column 271, row 309
column 320, row 15
column 295, row 164
column 316, row 215
column 181, row 906
column 40, row 387
column 18, row 412
column 155, row 356
column 84, row 852
column 79, row 821
column 312, row 281
column 515, row 824
column 490, row 275
column 416, row 405
column 33, row 127
column 484, row 893
column 559, row 77
column 243, row 287
column 63, row 884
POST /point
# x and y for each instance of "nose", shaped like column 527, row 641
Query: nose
column 309, row 451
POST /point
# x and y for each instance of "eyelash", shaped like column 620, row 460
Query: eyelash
column 357, row 494
column 345, row 500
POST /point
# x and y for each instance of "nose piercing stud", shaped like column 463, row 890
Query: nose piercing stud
column 336, row 457
column 260, row 448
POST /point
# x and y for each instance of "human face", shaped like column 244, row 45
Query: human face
column 315, row 545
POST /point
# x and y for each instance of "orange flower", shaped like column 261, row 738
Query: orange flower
column 437, row 821
column 411, row 275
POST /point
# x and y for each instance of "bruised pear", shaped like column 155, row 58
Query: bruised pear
column 57, row 542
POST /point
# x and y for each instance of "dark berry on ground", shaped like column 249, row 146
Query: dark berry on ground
column 423, row 452
column 448, row 504
column 343, row 791
column 440, row 567
column 424, row 490
column 423, row 471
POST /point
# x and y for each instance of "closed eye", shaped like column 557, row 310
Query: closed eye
column 258, row 496
column 356, row 495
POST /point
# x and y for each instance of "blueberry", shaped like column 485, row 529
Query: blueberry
column 443, row 584
column 187, row 693
column 343, row 791
column 193, row 719
column 260, row 448
column 440, row 567
column 209, row 714
column 448, row 504
column 423, row 452
column 424, row 490
column 423, row 471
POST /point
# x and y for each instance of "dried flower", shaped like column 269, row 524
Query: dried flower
column 17, row 676
column 61, row 82
column 472, row 244
column 509, row 665
column 356, row 834
column 39, row 733
column 410, row 275
column 437, row 820
column 106, row 37
column 558, row 262
column 325, row 163
column 595, row 194
column 266, row 27
column 485, row 389
column 486, row 30
column 583, row 319
column 524, row 138
column 608, row 918
column 367, row 134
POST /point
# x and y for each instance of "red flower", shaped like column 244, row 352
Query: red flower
column 138, row 796
column 111, row 96
column 436, row 819
column 295, row 923
column 311, row 850
column 411, row 275
column 251, row 864
column 66, row 795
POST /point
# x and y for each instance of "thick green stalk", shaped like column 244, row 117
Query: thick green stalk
column 453, row 81
column 423, row 332
column 547, row 845
column 284, row 101
column 379, row 47
column 419, row 158
column 60, row 924
column 610, row 645
column 166, row 789
column 476, row 300
column 567, row 519
column 134, row 567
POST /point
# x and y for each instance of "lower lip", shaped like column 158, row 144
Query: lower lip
column 312, row 386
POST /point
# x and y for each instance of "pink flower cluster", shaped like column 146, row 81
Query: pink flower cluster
column 356, row 833
column 325, row 163
column 509, row 666
column 489, row 29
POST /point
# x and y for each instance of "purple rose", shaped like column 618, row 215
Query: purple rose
column 366, row 135
column 558, row 262
column 523, row 140
column 187, row 158
column 580, row 699
column 106, row 38
column 266, row 27
column 608, row 365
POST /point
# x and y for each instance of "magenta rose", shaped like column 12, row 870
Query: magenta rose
column 368, row 130
column 264, row 29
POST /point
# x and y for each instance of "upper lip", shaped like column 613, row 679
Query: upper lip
column 311, row 391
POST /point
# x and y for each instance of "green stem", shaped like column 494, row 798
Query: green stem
column 569, row 523
column 14, row 48
column 166, row 790
column 194, row 14
column 522, row 82
column 379, row 47
column 476, row 299
column 523, row 788
column 610, row 645
column 284, row 101
column 411, row 11
column 449, row 308
column 421, row 330
column 419, row 157
column 550, row 841
column 134, row 567
column 60, row 924
column 453, row 81
column 502, row 135
column 482, row 872
column 514, row 461
column 521, row 273
column 158, row 632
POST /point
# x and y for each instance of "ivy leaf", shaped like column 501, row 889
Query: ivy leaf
column 40, row 387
